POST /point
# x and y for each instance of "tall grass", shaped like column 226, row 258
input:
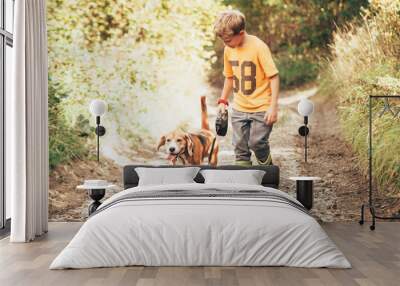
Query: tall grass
column 366, row 60
column 65, row 142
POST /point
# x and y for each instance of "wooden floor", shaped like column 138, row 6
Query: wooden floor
column 375, row 257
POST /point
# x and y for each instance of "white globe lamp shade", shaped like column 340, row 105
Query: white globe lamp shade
column 98, row 107
column 305, row 107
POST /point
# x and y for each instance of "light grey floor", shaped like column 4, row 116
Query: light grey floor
column 375, row 257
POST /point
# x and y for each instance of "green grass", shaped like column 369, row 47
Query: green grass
column 65, row 142
column 366, row 61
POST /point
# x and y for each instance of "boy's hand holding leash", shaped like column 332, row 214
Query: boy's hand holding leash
column 222, row 105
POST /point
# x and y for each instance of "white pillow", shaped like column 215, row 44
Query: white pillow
column 248, row 177
column 164, row 176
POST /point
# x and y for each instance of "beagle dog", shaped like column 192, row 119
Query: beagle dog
column 190, row 148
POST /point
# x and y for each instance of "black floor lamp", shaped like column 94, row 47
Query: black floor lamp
column 98, row 108
column 305, row 108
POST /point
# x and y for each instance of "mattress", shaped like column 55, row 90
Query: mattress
column 201, row 225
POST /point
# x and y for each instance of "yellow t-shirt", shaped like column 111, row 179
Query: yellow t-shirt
column 251, row 65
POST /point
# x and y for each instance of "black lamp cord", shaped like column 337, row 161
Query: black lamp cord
column 305, row 138
column 98, row 138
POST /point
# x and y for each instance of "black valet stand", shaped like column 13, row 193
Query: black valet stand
column 371, row 203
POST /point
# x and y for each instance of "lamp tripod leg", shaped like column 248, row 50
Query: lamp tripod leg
column 372, row 210
column 361, row 222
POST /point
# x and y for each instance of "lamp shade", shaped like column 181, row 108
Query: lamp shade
column 305, row 107
column 98, row 107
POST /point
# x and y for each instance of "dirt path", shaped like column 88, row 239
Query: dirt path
column 343, row 188
column 337, row 196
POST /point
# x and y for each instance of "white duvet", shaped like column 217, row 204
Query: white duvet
column 200, row 231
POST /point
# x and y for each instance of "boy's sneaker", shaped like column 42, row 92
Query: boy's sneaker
column 267, row 162
column 243, row 163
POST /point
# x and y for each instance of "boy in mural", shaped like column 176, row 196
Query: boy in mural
column 253, row 77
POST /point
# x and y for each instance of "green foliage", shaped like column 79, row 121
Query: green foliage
column 297, row 31
column 296, row 71
column 300, row 25
column 366, row 60
column 65, row 143
column 139, row 56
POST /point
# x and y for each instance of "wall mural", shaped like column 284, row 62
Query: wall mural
column 159, row 66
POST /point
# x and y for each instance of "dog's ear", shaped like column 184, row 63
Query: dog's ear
column 161, row 142
column 190, row 145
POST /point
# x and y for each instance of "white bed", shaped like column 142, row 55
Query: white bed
column 269, row 230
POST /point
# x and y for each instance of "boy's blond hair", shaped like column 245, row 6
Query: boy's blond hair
column 229, row 23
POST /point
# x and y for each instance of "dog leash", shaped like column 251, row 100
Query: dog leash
column 221, row 127
column 212, row 150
